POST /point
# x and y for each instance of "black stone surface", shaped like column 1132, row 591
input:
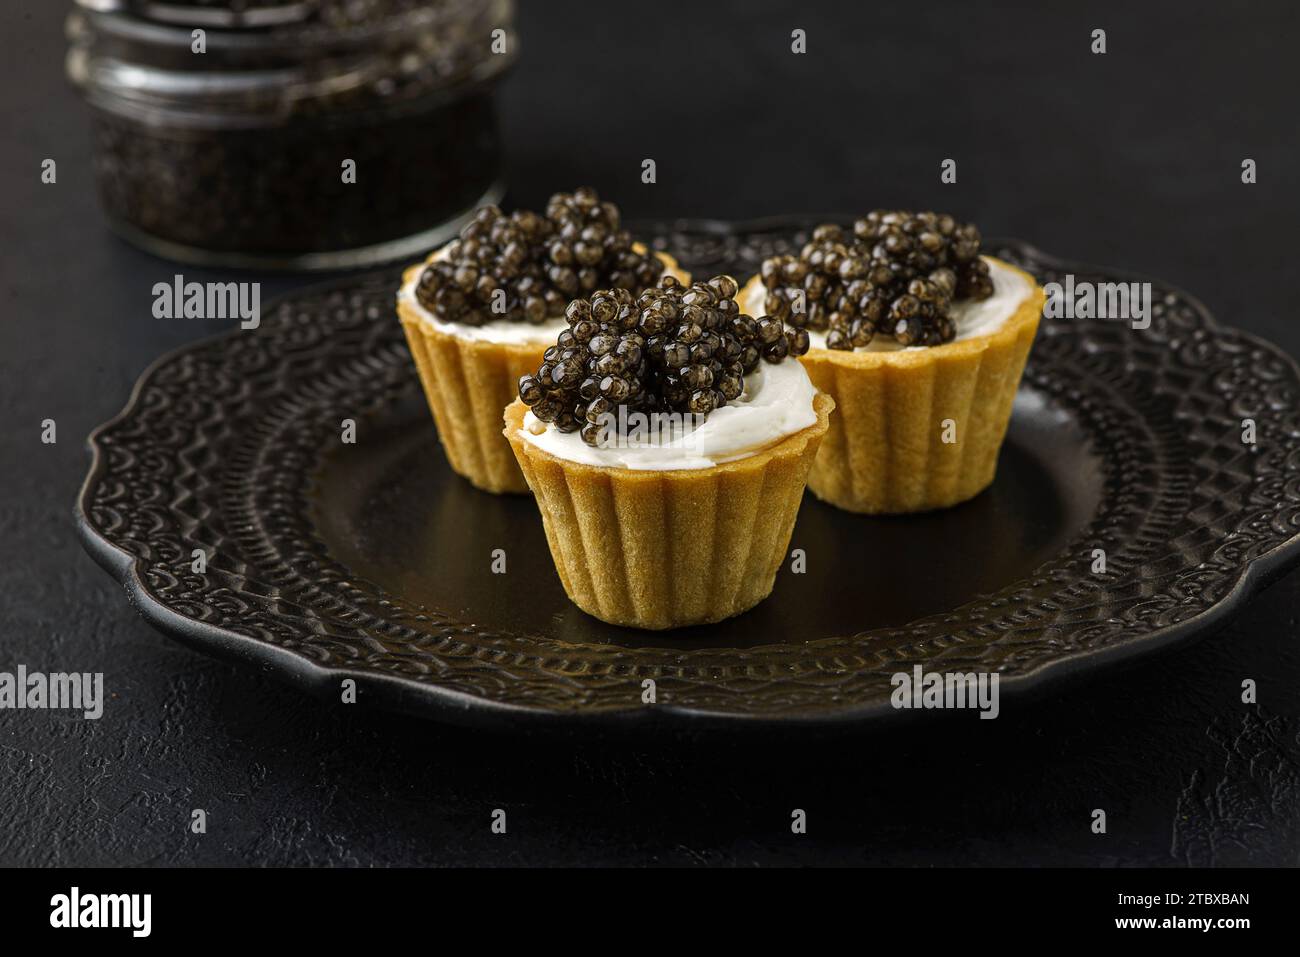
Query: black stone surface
column 1131, row 159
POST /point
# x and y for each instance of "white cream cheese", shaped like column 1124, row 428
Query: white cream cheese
column 777, row 402
column 972, row 318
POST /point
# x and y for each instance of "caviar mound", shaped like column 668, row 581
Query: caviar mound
column 527, row 266
column 668, row 549
column 672, row 348
column 895, row 275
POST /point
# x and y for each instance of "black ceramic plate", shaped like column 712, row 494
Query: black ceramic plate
column 372, row 560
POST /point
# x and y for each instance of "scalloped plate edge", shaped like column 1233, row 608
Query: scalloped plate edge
column 430, row 700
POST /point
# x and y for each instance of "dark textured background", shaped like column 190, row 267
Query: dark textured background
column 1130, row 159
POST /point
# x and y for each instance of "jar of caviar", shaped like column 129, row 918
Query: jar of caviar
column 292, row 133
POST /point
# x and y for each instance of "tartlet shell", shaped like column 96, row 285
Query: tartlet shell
column 884, row 452
column 667, row 549
column 468, row 382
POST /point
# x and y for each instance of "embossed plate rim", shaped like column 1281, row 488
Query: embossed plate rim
column 419, row 697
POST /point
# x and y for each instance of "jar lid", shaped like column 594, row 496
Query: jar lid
column 311, row 57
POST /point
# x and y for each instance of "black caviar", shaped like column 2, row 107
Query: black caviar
column 896, row 274
column 279, row 193
column 672, row 348
column 526, row 266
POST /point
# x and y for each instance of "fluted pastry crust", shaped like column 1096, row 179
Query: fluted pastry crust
column 664, row 549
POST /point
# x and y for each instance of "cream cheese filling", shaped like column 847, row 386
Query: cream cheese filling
column 777, row 403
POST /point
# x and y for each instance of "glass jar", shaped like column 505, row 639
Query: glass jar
column 304, row 134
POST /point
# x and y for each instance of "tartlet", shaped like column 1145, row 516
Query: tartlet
column 921, row 428
column 666, row 549
column 637, row 539
column 469, row 370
